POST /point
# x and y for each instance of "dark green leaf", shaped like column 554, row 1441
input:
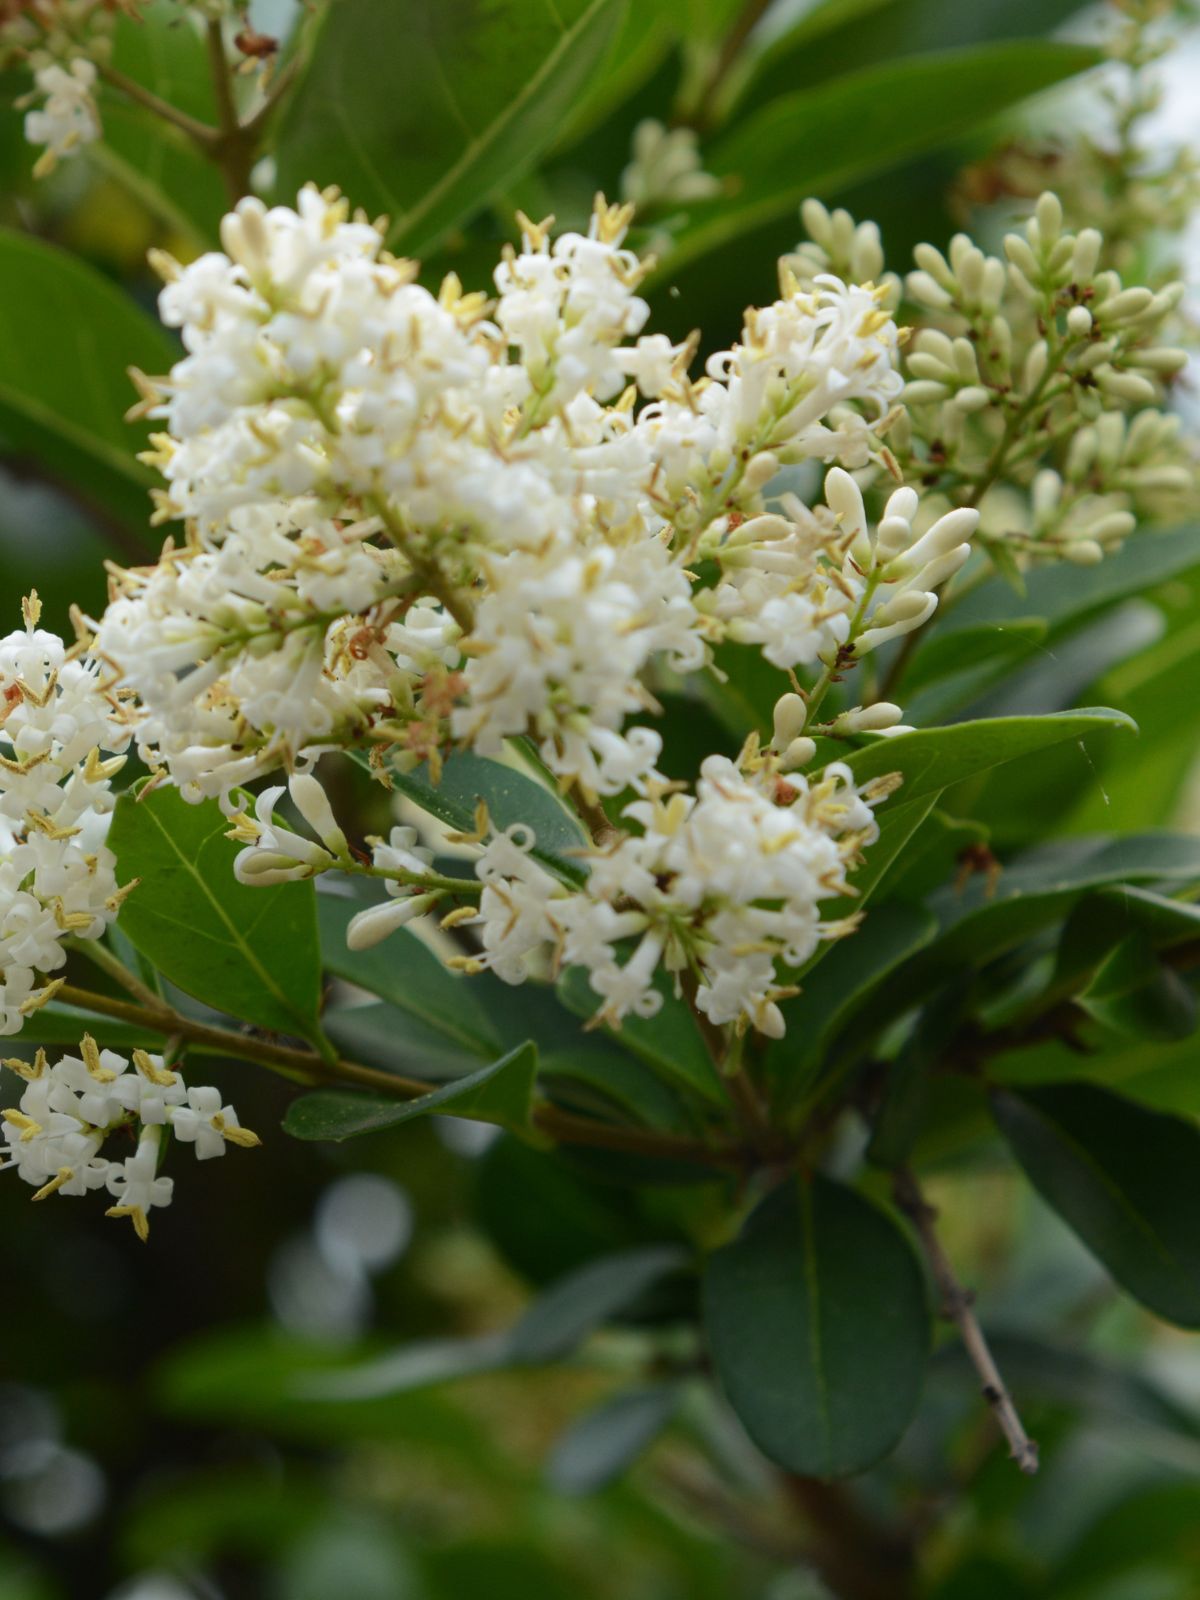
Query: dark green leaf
column 668, row 1041
column 1134, row 994
column 821, row 138
column 424, row 111
column 406, row 973
column 511, row 796
column 607, row 1441
column 252, row 953
column 931, row 759
column 1124, row 1178
column 818, row 1327
column 501, row 1093
column 564, row 1314
column 68, row 336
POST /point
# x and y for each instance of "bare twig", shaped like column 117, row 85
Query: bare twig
column 958, row 1307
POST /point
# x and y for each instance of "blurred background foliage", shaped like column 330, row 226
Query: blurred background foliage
column 172, row 1423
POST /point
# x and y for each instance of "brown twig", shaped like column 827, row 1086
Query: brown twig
column 308, row 1068
column 958, row 1307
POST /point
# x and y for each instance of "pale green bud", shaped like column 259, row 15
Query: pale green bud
column 1079, row 321
column 1086, row 254
column 1083, row 552
column 1035, row 365
column 925, row 393
column 1049, row 214
column 922, row 287
column 973, row 398
column 1126, row 386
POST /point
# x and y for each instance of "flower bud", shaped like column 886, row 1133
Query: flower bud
column 313, row 805
column 1079, row 321
column 1086, row 254
column 799, row 753
column 868, row 719
column 760, row 469
column 1083, row 552
column 925, row 393
column 369, row 927
column 973, row 398
column 788, row 718
column 1035, row 365
column 1049, row 214
column 1126, row 386
column 921, row 287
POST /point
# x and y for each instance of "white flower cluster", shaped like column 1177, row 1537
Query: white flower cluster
column 67, row 119
column 57, row 714
column 721, row 888
column 55, row 1137
column 417, row 520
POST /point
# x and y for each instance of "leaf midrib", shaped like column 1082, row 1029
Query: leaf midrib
column 236, row 941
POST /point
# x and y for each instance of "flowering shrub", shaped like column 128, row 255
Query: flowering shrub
column 718, row 693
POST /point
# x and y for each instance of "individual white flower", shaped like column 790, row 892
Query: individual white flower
column 67, row 118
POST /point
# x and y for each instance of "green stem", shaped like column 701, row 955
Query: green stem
column 200, row 132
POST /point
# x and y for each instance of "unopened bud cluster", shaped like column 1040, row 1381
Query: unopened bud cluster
column 1043, row 370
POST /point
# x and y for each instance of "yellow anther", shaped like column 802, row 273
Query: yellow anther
column 39, row 997
column 141, row 1224
column 90, row 1051
column 162, row 1076
column 29, row 1070
column 96, row 771
column 235, row 1135
column 29, row 1128
column 43, row 824
column 31, row 609
column 65, row 1174
column 461, row 914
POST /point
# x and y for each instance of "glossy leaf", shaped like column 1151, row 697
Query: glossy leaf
column 1123, row 1177
column 607, row 1441
column 406, row 973
column 68, row 336
column 510, row 795
column 932, row 759
column 1135, row 994
column 668, row 1041
column 850, row 127
column 818, row 1328
column 500, row 1093
column 424, row 111
column 564, row 1314
column 250, row 952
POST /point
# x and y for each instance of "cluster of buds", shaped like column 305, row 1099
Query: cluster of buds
column 56, row 1136
column 1016, row 361
column 58, row 717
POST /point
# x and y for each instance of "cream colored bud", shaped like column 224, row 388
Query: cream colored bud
column 760, row 469
column 1124, row 306
column 931, row 261
column 1171, row 479
column 923, row 288
column 973, row 398
column 1079, row 321
column 1021, row 257
column 1126, row 386
column 1049, row 214
column 925, row 393
column 868, row 719
column 1083, row 552
column 1035, row 365
column 1086, row 254
column 369, row 927
column 965, row 365
column 816, row 222
column 1165, row 359
column 1113, row 527
column 1046, row 494
column 942, row 568
column 788, row 719
column 1095, row 355
column 313, row 805
column 799, row 753
column 923, row 365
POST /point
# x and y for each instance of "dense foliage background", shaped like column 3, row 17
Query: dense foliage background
column 299, row 1386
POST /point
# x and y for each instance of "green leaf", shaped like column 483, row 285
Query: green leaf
column 1134, row 994
column 406, row 973
column 510, row 795
column 818, row 1328
column 424, row 111
column 607, row 1441
column 931, row 759
column 564, row 1315
column 250, row 952
column 500, row 1093
column 68, row 335
column 669, row 1041
column 598, row 1079
column 1123, row 1177
column 845, row 129
column 836, row 989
